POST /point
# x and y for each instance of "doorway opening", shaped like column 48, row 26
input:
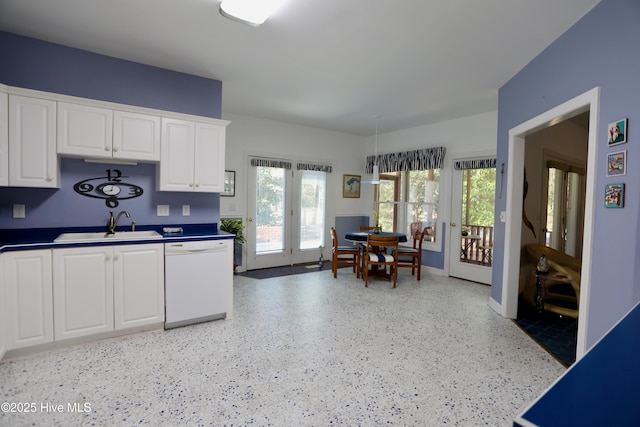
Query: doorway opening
column 587, row 102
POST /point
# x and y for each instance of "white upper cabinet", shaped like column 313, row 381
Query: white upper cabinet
column 102, row 133
column 32, row 143
column 192, row 156
column 209, row 158
column 84, row 130
column 136, row 136
column 4, row 139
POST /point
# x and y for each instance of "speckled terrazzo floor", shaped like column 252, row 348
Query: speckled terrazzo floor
column 302, row 350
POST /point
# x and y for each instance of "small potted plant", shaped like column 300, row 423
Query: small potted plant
column 236, row 227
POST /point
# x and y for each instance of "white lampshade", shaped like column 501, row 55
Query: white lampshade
column 376, row 175
column 252, row 12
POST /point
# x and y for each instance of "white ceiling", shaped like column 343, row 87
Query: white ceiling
column 335, row 64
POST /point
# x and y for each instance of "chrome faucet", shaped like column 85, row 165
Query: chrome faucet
column 113, row 222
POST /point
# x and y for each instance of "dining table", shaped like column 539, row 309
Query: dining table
column 360, row 237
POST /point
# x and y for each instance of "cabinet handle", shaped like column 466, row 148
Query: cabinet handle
column 197, row 185
column 453, row 224
column 107, row 149
column 115, row 149
column 49, row 179
column 116, row 257
column 107, row 258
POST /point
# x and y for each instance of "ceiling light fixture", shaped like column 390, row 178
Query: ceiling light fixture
column 251, row 12
column 376, row 175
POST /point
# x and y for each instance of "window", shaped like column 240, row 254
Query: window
column 408, row 201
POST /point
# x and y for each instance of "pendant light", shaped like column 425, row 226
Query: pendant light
column 376, row 175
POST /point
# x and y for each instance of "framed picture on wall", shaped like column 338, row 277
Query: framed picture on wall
column 617, row 132
column 617, row 163
column 351, row 186
column 229, row 184
column 614, row 195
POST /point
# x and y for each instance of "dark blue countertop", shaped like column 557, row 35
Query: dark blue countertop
column 13, row 239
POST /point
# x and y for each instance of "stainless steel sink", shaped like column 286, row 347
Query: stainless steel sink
column 104, row 237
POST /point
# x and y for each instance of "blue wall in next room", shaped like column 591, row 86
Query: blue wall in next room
column 39, row 65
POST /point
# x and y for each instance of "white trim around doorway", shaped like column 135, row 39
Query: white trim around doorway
column 588, row 101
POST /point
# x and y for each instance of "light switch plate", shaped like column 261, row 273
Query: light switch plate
column 19, row 211
column 163, row 210
column 186, row 210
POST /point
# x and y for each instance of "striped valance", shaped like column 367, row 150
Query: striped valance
column 423, row 159
column 271, row 163
column 475, row 164
column 314, row 167
column 566, row 167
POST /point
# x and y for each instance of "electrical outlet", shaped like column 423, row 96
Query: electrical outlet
column 186, row 210
column 19, row 211
column 163, row 210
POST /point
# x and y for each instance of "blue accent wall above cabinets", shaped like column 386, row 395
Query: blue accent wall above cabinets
column 50, row 67
column 35, row 64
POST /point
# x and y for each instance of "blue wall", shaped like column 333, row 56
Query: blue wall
column 599, row 50
column 49, row 67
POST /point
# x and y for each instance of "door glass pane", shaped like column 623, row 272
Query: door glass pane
column 270, row 203
column 478, row 198
column 312, row 208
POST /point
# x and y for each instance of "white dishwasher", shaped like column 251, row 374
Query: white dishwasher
column 196, row 288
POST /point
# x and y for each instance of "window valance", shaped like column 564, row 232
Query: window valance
column 423, row 159
column 271, row 163
column 475, row 164
column 314, row 167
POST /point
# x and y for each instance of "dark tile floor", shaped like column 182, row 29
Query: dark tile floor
column 556, row 334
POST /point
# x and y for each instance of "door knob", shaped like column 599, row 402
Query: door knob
column 453, row 224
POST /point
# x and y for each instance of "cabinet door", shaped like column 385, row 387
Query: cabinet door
column 4, row 139
column 84, row 130
column 209, row 158
column 28, row 301
column 82, row 291
column 32, row 142
column 136, row 136
column 138, row 285
column 176, row 156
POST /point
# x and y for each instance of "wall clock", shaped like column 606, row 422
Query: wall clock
column 111, row 188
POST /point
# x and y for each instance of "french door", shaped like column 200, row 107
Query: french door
column 471, row 225
column 286, row 212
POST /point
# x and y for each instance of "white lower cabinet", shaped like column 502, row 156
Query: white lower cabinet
column 27, row 304
column 106, row 288
column 138, row 285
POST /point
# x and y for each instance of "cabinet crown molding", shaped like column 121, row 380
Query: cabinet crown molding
column 12, row 90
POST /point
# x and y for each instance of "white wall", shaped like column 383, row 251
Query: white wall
column 252, row 136
column 463, row 137
column 246, row 136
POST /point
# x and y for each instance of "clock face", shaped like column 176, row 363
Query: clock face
column 112, row 189
column 109, row 189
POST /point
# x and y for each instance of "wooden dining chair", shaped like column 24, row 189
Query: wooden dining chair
column 375, row 256
column 411, row 257
column 343, row 256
